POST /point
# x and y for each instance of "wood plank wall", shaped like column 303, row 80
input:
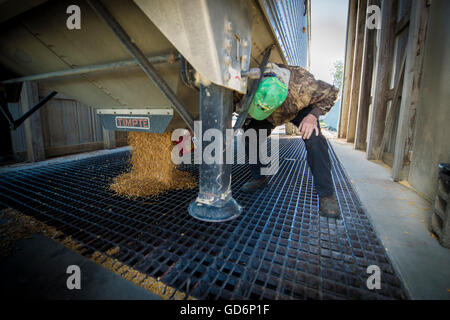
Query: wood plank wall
column 67, row 127
column 381, row 76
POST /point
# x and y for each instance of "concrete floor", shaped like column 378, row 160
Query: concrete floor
column 400, row 217
column 36, row 269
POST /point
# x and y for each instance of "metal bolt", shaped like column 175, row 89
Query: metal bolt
column 253, row 73
column 226, row 76
column 229, row 27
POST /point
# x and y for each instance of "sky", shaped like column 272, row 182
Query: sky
column 328, row 31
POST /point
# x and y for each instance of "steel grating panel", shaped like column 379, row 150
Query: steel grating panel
column 279, row 248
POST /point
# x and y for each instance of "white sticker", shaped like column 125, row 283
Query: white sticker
column 235, row 79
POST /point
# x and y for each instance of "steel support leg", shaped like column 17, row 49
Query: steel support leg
column 215, row 202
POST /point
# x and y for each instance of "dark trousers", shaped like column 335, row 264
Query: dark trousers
column 317, row 153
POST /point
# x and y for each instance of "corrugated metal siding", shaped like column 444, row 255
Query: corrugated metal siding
column 288, row 19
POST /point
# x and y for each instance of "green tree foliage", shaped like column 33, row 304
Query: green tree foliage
column 338, row 73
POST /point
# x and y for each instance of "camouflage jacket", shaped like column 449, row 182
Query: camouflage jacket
column 304, row 91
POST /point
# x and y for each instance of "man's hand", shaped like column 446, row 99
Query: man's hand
column 308, row 126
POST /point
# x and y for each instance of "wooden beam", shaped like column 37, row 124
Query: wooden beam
column 383, row 76
column 33, row 126
column 348, row 67
column 418, row 76
column 390, row 119
column 409, row 86
column 390, row 94
column 366, row 85
column 402, row 24
column 357, row 70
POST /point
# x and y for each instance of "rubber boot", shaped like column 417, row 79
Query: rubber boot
column 329, row 207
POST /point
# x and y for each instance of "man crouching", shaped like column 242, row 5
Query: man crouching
column 306, row 100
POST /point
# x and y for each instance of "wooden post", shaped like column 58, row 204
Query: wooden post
column 389, row 126
column 383, row 76
column 109, row 139
column 409, row 85
column 33, row 128
column 357, row 68
column 366, row 86
column 418, row 76
column 348, row 68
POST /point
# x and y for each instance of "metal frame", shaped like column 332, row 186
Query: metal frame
column 14, row 124
column 94, row 68
column 158, row 119
column 162, row 111
column 285, row 18
column 215, row 36
column 142, row 60
column 187, row 73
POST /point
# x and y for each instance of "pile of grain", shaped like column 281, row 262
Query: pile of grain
column 152, row 170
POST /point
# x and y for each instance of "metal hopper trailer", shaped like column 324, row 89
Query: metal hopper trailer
column 177, row 45
column 158, row 65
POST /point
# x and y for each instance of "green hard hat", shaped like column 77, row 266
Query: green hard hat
column 270, row 95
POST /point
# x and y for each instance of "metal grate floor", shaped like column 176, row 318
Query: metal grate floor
column 279, row 248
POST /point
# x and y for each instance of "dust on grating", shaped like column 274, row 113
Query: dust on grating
column 71, row 244
column 138, row 278
column 113, row 251
column 19, row 226
column 152, row 170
